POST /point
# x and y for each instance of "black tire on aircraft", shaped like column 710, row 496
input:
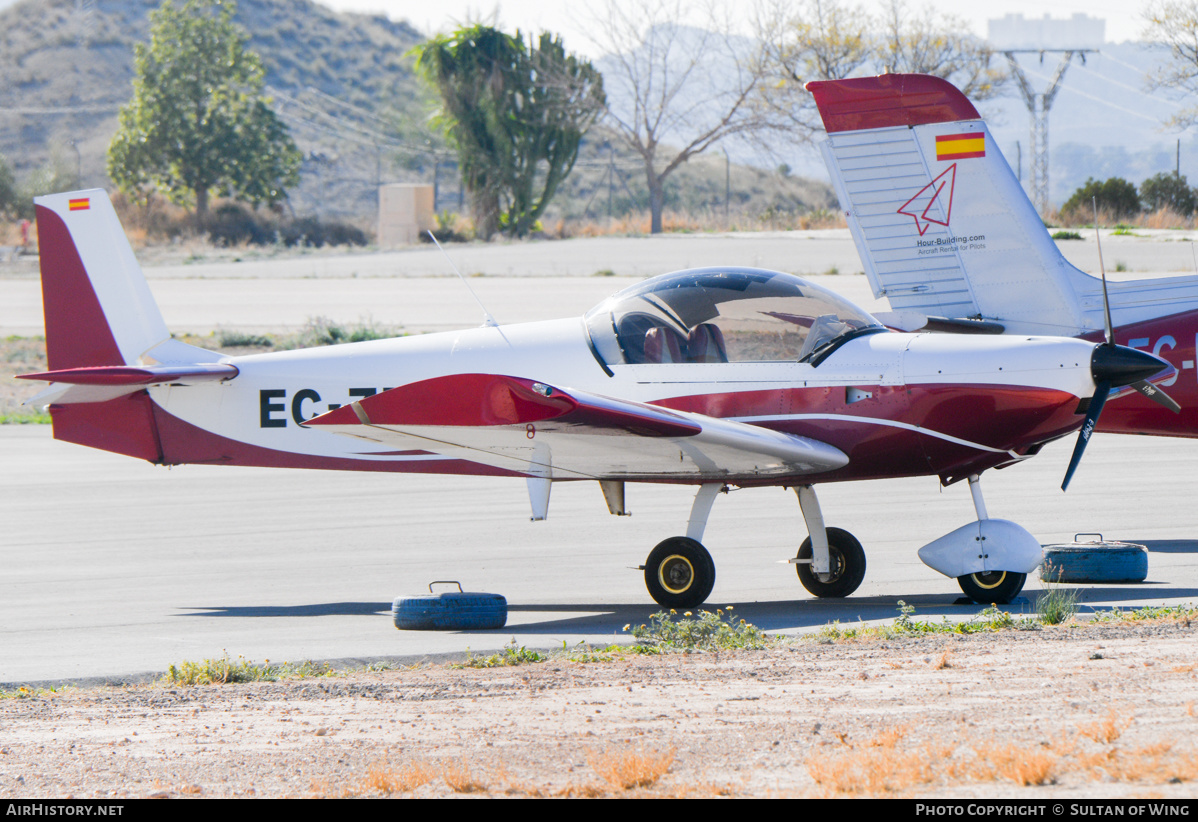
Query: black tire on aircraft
column 679, row 573
column 451, row 611
column 848, row 565
column 992, row 587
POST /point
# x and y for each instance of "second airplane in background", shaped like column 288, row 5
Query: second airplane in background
column 948, row 236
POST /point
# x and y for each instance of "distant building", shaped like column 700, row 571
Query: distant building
column 1014, row 31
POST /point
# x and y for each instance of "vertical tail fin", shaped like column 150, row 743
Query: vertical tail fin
column 98, row 307
column 105, row 336
column 942, row 224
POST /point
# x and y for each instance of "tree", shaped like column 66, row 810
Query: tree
column 833, row 40
column 670, row 83
column 936, row 43
column 198, row 125
column 9, row 198
column 1174, row 25
column 1168, row 190
column 515, row 113
column 1116, row 197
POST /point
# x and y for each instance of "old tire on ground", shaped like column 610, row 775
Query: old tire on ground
column 452, row 611
column 1094, row 562
column 848, row 565
column 992, row 587
column 679, row 573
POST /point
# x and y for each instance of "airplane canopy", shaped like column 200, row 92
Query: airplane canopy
column 723, row 315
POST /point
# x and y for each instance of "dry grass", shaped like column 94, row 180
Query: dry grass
column 1107, row 730
column 626, row 768
column 1161, row 218
column 877, row 766
column 1021, row 765
column 461, row 778
column 407, row 777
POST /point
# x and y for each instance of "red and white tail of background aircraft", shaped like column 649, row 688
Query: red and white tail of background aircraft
column 946, row 232
column 712, row 377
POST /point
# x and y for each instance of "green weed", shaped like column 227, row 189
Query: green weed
column 320, row 331
column 1150, row 613
column 25, row 418
column 988, row 619
column 511, row 655
column 1066, row 235
column 1056, row 604
column 25, row 692
column 229, row 338
column 707, row 632
column 225, row 671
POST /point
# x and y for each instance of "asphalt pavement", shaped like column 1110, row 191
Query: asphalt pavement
column 113, row 568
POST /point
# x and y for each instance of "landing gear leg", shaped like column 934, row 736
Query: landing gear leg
column 992, row 587
column 679, row 572
column 830, row 562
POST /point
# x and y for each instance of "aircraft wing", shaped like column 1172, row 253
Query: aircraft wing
column 543, row 431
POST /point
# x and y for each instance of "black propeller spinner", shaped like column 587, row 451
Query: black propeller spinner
column 1115, row 366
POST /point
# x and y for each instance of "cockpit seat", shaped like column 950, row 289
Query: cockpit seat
column 663, row 345
column 705, row 343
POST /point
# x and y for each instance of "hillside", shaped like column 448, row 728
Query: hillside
column 340, row 81
column 345, row 88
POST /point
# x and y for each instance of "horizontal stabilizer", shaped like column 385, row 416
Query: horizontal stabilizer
column 138, row 375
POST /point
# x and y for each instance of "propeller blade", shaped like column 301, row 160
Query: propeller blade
column 1158, row 396
column 1083, row 436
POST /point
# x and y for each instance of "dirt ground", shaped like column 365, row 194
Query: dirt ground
column 1106, row 711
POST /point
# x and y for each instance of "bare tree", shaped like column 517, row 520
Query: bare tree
column 935, row 43
column 1173, row 24
column 811, row 40
column 675, row 90
column 834, row 39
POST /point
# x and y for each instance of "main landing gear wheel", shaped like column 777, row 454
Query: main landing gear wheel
column 992, row 587
column 679, row 573
column 847, row 565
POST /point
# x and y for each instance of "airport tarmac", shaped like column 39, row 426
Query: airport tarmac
column 115, row 568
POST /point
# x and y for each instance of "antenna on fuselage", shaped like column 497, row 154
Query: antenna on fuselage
column 489, row 322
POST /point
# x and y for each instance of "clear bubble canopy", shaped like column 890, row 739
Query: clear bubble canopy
column 712, row 315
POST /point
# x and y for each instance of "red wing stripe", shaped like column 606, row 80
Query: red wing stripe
column 489, row 399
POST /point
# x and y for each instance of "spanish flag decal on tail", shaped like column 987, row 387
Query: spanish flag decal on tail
column 81, row 204
column 960, row 146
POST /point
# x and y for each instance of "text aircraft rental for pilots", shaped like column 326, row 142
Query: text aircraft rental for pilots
column 711, row 377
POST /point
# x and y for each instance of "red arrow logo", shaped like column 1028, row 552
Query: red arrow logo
column 917, row 207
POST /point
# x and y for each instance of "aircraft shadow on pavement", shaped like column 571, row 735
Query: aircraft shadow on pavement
column 769, row 616
column 1095, row 597
column 318, row 609
column 1168, row 546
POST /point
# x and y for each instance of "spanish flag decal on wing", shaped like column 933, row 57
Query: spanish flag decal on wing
column 960, row 146
column 82, row 204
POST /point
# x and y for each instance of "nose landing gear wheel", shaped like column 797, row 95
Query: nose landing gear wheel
column 847, row 565
column 679, row 573
column 992, row 587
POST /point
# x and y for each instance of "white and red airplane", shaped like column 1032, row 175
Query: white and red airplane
column 948, row 236
column 710, row 377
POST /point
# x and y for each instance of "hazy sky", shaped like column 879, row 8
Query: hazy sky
column 569, row 17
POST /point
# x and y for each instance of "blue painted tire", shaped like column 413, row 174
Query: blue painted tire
column 1094, row 562
column 453, row 611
